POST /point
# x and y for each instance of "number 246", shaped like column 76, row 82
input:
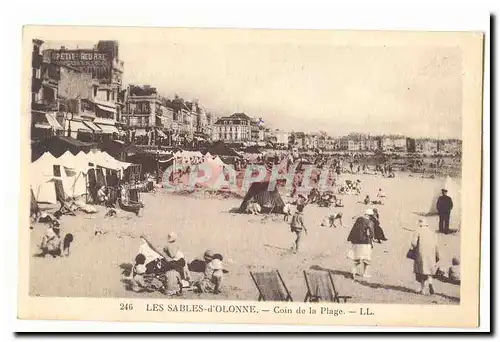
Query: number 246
column 126, row 306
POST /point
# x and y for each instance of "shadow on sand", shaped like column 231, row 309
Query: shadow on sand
column 420, row 213
column 279, row 248
column 348, row 275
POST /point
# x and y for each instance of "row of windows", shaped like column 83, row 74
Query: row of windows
column 231, row 122
column 230, row 136
column 230, row 129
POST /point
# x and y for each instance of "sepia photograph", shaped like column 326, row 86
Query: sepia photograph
column 189, row 168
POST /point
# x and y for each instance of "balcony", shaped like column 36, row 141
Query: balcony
column 36, row 60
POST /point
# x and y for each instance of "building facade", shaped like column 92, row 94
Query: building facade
column 426, row 146
column 235, row 128
column 106, row 69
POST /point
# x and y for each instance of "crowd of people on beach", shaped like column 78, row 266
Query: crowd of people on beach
column 167, row 270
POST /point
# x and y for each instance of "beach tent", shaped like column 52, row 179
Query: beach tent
column 252, row 150
column 269, row 200
column 42, row 178
column 218, row 161
column 208, row 156
column 219, row 148
column 57, row 145
column 453, row 191
column 215, row 169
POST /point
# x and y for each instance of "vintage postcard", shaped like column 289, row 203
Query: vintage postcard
column 305, row 177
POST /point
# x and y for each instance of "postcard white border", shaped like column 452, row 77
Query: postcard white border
column 457, row 20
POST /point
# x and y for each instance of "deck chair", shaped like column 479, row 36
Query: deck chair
column 61, row 198
column 320, row 288
column 34, row 208
column 271, row 286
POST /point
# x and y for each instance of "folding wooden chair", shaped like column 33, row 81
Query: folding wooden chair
column 320, row 288
column 61, row 198
column 271, row 286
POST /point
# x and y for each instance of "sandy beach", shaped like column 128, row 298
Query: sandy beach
column 250, row 243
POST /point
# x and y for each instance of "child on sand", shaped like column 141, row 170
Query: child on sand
column 367, row 200
column 454, row 271
column 297, row 226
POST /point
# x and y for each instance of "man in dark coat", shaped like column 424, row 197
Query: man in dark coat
column 444, row 205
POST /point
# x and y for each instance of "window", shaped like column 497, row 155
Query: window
column 113, row 95
column 95, row 91
column 33, row 72
column 57, row 170
column 107, row 95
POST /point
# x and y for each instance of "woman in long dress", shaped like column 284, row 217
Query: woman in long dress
column 379, row 232
column 361, row 236
column 425, row 245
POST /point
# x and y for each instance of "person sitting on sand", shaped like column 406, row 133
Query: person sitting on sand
column 175, row 274
column 367, row 200
column 51, row 243
column 102, row 195
column 453, row 275
column 142, row 280
column 253, row 208
column 213, row 276
column 330, row 220
column 454, row 271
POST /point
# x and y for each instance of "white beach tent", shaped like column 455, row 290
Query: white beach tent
column 218, row 161
column 74, row 171
column 42, row 178
column 208, row 156
column 453, row 191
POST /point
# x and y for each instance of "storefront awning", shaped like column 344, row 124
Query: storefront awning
column 106, row 109
column 43, row 126
column 77, row 126
column 160, row 133
column 51, row 119
column 107, row 129
column 92, row 126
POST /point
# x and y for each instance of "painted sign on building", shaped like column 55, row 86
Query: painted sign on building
column 94, row 62
column 74, row 85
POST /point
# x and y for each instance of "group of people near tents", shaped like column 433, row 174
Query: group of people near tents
column 167, row 270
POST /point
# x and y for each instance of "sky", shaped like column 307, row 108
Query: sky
column 309, row 86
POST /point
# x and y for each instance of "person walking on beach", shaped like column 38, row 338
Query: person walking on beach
column 377, row 229
column 361, row 237
column 425, row 256
column 297, row 226
column 444, row 206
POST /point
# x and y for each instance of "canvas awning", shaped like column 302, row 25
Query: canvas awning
column 108, row 129
column 92, row 126
column 77, row 126
column 51, row 119
column 43, row 126
column 106, row 109
column 160, row 133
